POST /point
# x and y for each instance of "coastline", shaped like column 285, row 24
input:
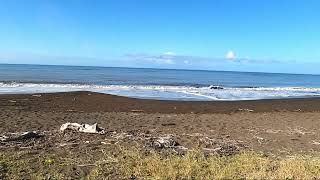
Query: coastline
column 275, row 128
column 98, row 102
column 235, row 119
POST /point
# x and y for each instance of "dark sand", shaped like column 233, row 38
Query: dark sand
column 95, row 102
column 275, row 126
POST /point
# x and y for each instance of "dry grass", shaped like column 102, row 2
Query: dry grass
column 195, row 165
column 126, row 164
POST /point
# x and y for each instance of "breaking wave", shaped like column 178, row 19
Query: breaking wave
column 212, row 92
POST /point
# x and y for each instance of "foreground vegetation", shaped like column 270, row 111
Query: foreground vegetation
column 138, row 164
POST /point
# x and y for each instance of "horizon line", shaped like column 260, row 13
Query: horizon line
column 177, row 69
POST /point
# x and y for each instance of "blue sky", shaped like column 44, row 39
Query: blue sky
column 240, row 35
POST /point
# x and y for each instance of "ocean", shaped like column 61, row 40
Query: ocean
column 193, row 85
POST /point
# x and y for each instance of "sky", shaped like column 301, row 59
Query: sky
column 233, row 35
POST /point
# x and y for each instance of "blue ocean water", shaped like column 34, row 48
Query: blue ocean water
column 157, row 83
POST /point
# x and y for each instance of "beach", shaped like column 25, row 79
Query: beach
column 166, row 90
column 281, row 128
column 281, row 125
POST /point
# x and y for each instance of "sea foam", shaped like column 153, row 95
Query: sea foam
column 167, row 92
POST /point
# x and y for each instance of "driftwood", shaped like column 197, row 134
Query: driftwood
column 20, row 136
column 86, row 128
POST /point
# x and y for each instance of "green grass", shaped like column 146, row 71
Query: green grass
column 126, row 164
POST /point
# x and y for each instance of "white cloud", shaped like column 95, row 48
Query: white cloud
column 230, row 55
column 169, row 53
column 164, row 58
column 171, row 59
column 167, row 61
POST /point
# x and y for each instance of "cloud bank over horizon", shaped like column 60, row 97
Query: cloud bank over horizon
column 166, row 60
column 170, row 58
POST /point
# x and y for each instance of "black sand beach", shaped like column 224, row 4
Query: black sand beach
column 286, row 123
column 272, row 127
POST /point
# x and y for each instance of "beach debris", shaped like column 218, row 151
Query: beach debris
column 272, row 131
column 224, row 150
column 20, row 136
column 85, row 128
column 221, row 146
column 166, row 142
column 163, row 142
column 85, row 165
column 299, row 131
column 36, row 95
column 137, row 110
column 121, row 136
column 12, row 101
column 105, row 143
column 109, row 141
column 70, row 110
column 259, row 139
column 168, row 124
column 68, row 144
column 247, row 110
column 193, row 134
column 315, row 142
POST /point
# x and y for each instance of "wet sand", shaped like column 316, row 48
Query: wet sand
column 95, row 102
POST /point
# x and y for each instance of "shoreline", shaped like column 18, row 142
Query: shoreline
column 83, row 101
column 270, row 129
